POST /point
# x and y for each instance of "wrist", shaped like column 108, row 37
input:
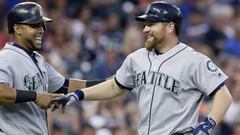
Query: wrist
column 25, row 96
column 211, row 121
column 79, row 93
column 205, row 127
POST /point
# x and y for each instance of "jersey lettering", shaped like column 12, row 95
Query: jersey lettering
column 159, row 79
column 34, row 82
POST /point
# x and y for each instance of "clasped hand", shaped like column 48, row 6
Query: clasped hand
column 63, row 101
column 44, row 99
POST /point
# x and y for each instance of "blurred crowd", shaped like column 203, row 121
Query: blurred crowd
column 90, row 38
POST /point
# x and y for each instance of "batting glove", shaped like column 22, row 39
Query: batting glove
column 74, row 97
column 68, row 99
column 205, row 127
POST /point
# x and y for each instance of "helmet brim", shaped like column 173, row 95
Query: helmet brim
column 37, row 20
column 150, row 18
column 45, row 19
column 144, row 18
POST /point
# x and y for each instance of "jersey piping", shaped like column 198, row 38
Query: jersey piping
column 149, row 62
column 150, row 113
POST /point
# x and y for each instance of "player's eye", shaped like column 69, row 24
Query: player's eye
column 37, row 25
column 148, row 23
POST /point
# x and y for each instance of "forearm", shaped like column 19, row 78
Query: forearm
column 10, row 95
column 102, row 91
column 80, row 84
column 7, row 95
column 76, row 84
column 221, row 102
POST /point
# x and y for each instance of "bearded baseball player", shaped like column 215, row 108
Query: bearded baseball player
column 169, row 78
column 26, row 80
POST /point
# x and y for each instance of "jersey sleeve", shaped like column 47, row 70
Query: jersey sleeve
column 124, row 75
column 207, row 76
column 6, row 76
column 55, row 79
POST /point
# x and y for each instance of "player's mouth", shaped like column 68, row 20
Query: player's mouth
column 38, row 39
column 149, row 37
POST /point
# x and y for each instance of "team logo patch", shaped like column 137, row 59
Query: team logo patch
column 211, row 66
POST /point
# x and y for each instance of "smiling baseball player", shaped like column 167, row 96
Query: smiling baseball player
column 169, row 78
column 27, row 82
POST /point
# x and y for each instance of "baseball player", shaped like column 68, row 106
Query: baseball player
column 26, row 80
column 169, row 78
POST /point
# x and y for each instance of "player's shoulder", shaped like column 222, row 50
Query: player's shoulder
column 5, row 52
column 193, row 55
column 6, row 57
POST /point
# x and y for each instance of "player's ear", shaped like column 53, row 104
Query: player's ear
column 17, row 29
column 170, row 27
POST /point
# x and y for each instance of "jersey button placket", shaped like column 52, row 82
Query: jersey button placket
column 155, row 64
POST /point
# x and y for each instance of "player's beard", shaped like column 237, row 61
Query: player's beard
column 150, row 43
column 35, row 45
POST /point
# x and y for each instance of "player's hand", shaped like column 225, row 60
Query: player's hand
column 205, row 127
column 66, row 100
column 59, row 102
column 44, row 99
column 186, row 131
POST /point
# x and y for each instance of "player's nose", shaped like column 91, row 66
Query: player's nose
column 41, row 29
column 146, row 29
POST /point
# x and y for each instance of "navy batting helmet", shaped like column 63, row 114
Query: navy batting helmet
column 25, row 13
column 163, row 12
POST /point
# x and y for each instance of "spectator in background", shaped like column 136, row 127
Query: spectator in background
column 220, row 18
column 68, row 123
column 57, row 129
column 132, row 38
column 87, row 129
column 236, row 128
column 108, row 63
column 232, row 68
column 232, row 44
column 94, row 40
column 113, row 29
column 81, row 22
column 196, row 27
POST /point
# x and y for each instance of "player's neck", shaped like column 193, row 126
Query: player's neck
column 166, row 45
column 21, row 43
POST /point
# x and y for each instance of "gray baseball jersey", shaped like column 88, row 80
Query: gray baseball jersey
column 169, row 87
column 18, row 70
